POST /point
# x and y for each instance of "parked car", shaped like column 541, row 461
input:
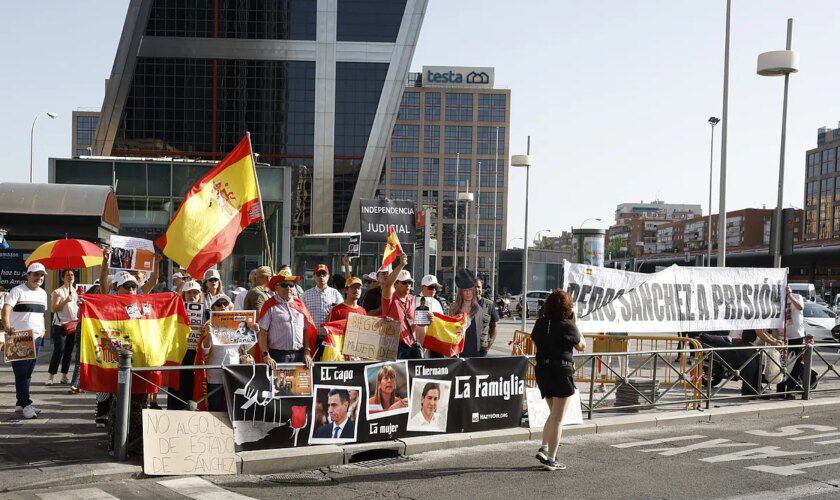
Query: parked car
column 806, row 290
column 819, row 322
column 535, row 300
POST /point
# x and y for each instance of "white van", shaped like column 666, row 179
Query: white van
column 806, row 290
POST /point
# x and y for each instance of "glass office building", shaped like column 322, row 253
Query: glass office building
column 316, row 82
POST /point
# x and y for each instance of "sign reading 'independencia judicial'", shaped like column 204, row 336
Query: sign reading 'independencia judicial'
column 377, row 214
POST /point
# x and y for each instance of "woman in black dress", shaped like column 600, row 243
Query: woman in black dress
column 555, row 335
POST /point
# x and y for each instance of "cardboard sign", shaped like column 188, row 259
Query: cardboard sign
column 187, row 442
column 131, row 254
column 370, row 337
column 233, row 327
column 19, row 346
column 538, row 410
column 195, row 312
column 354, row 247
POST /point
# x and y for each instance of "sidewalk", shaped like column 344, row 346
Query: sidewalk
column 63, row 446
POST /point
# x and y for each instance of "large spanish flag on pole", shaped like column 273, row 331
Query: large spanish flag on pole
column 153, row 327
column 215, row 210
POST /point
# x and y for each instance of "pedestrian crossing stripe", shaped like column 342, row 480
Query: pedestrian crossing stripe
column 198, row 488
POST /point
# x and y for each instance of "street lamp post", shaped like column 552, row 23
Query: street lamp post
column 512, row 240
column 32, row 143
column 712, row 121
column 495, row 217
column 524, row 161
column 467, row 198
column 780, row 63
column 537, row 236
column 721, row 260
column 455, row 231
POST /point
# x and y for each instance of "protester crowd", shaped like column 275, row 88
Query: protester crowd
column 289, row 318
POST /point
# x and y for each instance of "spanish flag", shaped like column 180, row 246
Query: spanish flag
column 153, row 327
column 445, row 334
column 214, row 211
column 392, row 249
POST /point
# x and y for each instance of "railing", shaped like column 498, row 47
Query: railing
column 647, row 379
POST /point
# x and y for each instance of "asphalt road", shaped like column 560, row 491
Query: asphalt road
column 778, row 458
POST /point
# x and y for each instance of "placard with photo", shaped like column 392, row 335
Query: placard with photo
column 335, row 414
column 429, row 405
column 387, row 389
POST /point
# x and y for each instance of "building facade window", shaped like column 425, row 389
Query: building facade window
column 459, row 107
column 277, row 20
column 827, row 161
column 369, row 20
column 486, row 143
column 430, row 197
column 86, row 129
column 405, row 138
column 431, row 106
column 404, row 194
column 811, row 221
column 431, row 171
column 449, row 204
column 812, row 162
column 410, row 106
column 491, row 107
column 431, row 139
column 485, row 237
column 488, row 208
column 811, row 192
column 451, row 166
column 452, row 237
column 458, row 139
column 836, row 227
column 404, row 172
column 486, row 171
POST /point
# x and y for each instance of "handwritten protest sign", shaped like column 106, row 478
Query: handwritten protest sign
column 131, row 254
column 195, row 312
column 370, row 337
column 186, row 442
column 233, row 327
column 19, row 345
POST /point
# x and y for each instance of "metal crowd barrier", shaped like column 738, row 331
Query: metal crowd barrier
column 648, row 376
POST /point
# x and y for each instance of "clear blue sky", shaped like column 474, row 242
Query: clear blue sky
column 615, row 94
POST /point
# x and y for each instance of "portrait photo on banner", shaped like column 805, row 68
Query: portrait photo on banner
column 335, row 414
column 429, row 405
column 387, row 389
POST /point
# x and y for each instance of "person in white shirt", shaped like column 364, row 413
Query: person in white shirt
column 428, row 419
column 65, row 307
column 428, row 288
column 24, row 310
column 794, row 332
column 217, row 355
column 320, row 299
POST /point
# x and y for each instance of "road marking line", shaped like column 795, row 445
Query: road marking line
column 658, row 441
column 830, row 441
column 790, row 470
column 815, row 436
column 704, row 445
column 198, row 488
column 802, row 491
column 81, row 494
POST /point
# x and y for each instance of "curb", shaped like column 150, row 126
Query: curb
column 298, row 459
column 313, row 457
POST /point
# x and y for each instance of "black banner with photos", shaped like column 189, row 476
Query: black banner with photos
column 358, row 402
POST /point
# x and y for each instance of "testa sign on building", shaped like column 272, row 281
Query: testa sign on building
column 458, row 76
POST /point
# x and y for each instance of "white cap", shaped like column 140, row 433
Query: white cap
column 219, row 297
column 36, row 267
column 238, row 290
column 429, row 280
column 388, row 270
column 212, row 273
column 124, row 277
column 370, row 277
column 178, row 275
column 404, row 276
column 191, row 285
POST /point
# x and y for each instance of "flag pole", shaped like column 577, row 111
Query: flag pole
column 262, row 210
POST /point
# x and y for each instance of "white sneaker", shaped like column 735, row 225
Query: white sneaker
column 29, row 412
column 19, row 409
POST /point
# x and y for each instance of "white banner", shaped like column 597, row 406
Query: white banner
column 676, row 299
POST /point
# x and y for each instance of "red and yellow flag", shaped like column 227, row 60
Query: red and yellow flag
column 445, row 334
column 153, row 327
column 215, row 210
column 392, row 249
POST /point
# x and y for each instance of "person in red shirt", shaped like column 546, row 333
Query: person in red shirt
column 398, row 304
column 353, row 289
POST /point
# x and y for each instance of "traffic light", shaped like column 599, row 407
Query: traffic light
column 788, row 226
